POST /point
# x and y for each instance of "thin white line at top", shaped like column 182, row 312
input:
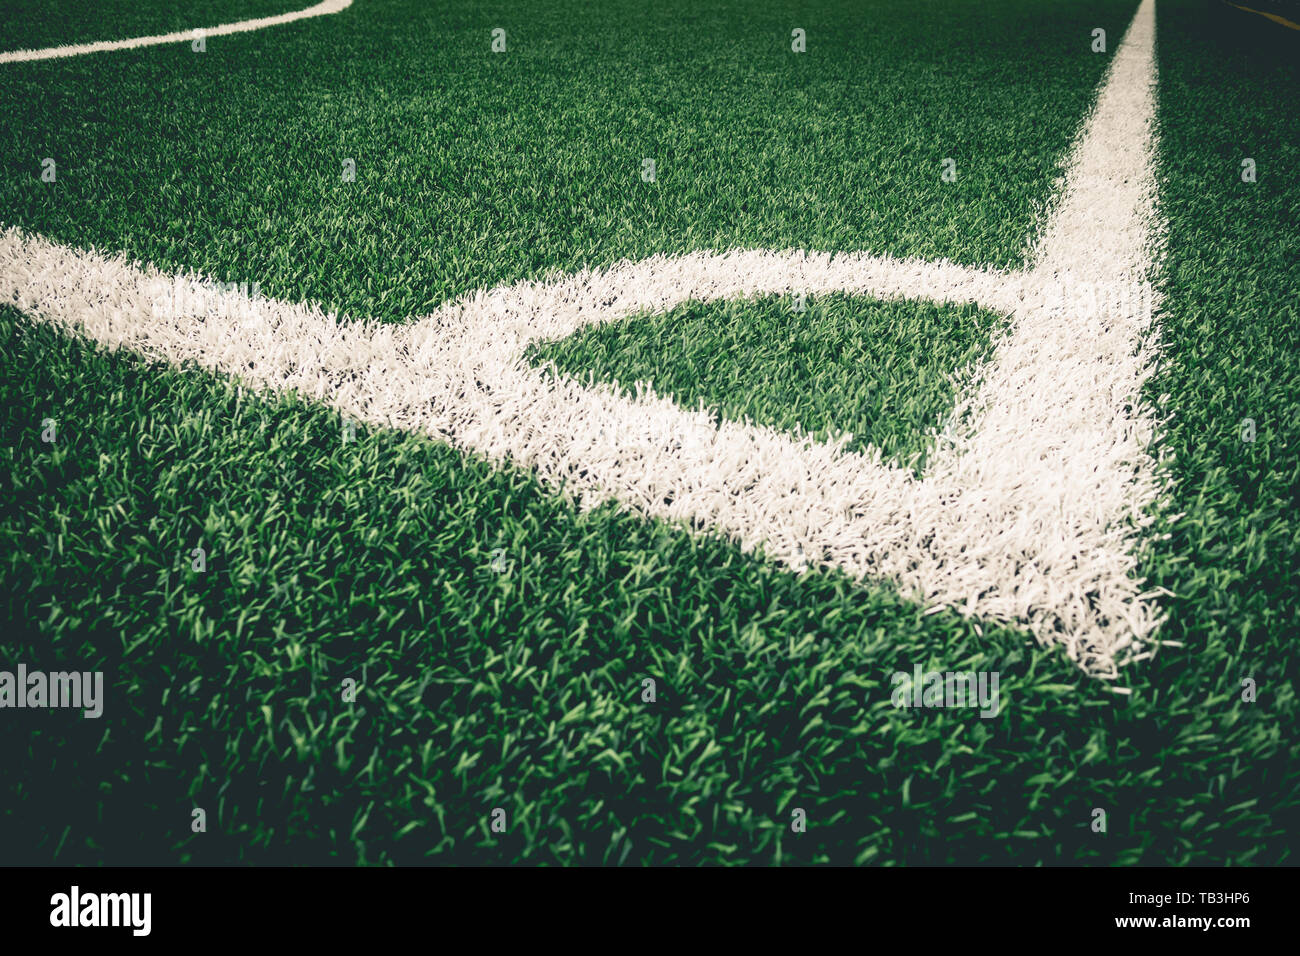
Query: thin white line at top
column 183, row 36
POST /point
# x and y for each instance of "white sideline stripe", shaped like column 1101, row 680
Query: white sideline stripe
column 1033, row 502
column 184, row 36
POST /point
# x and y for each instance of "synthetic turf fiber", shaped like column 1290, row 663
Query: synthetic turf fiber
column 500, row 634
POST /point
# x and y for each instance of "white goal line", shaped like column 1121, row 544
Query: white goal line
column 1032, row 507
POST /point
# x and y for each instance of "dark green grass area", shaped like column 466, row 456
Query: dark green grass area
column 33, row 24
column 521, row 688
column 1231, row 328
column 882, row 371
column 476, row 168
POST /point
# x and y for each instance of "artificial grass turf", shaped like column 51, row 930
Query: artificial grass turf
column 882, row 371
column 476, row 168
column 518, row 689
column 374, row 559
column 34, row 24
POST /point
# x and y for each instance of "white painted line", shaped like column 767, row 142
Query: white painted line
column 184, row 36
column 1031, row 507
